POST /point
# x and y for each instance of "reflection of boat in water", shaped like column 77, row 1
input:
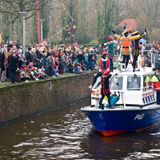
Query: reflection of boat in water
column 136, row 146
column 137, row 107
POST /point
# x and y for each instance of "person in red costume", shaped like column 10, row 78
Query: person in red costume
column 104, row 65
column 105, row 90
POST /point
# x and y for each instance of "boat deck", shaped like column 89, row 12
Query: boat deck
column 122, row 108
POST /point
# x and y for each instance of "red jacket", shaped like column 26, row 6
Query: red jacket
column 157, row 86
column 104, row 64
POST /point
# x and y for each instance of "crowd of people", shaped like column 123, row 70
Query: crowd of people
column 43, row 61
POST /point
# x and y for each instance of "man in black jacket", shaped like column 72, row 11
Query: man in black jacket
column 1, row 64
column 29, row 56
column 12, row 66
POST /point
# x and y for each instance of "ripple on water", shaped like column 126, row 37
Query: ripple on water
column 151, row 155
column 55, row 141
column 23, row 144
column 155, row 134
column 69, row 136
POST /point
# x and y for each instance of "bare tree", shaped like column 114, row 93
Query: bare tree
column 11, row 9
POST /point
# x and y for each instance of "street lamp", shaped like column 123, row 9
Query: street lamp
column 23, row 14
column 42, row 20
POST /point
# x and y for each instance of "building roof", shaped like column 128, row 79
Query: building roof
column 130, row 23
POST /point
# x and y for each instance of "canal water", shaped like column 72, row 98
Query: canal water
column 67, row 134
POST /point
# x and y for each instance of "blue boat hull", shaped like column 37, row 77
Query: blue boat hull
column 113, row 122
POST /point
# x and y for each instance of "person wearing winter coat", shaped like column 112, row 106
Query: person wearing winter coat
column 2, row 68
column 12, row 66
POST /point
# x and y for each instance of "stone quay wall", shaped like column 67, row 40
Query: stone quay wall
column 28, row 98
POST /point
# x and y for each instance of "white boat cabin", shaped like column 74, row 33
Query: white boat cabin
column 134, row 87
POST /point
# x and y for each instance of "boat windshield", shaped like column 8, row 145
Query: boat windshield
column 116, row 83
column 133, row 83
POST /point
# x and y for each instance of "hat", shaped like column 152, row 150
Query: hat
column 110, row 38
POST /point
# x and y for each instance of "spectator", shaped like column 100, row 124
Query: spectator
column 40, row 61
column 12, row 66
column 29, row 56
column 2, row 68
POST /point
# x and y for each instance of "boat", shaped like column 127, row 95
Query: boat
column 137, row 107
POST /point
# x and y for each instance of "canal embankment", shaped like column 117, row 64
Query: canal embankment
column 23, row 99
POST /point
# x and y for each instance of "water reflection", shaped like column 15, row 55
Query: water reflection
column 67, row 134
column 126, row 147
